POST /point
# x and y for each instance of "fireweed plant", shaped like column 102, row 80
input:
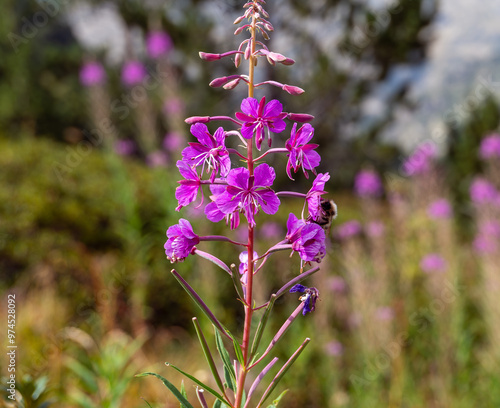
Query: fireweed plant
column 238, row 194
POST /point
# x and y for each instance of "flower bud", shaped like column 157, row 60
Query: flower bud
column 293, row 90
column 239, row 30
column 232, row 84
column 300, row 117
column 237, row 60
column 247, row 52
column 197, row 119
column 288, row 61
column 268, row 27
column 218, row 82
column 239, row 20
column 209, row 57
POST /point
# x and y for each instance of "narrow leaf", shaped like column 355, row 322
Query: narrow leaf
column 259, row 379
column 229, row 373
column 201, row 304
column 238, row 352
column 201, row 397
column 237, row 282
column 149, row 405
column 184, row 402
column 277, row 400
column 201, row 384
column 281, row 332
column 284, row 289
column 262, row 325
column 282, row 372
column 213, row 259
column 208, row 354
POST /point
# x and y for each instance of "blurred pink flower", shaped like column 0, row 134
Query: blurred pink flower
column 334, row 348
column 158, row 43
column 271, row 230
column 440, row 209
column 490, row 146
column 337, row 284
column 348, row 229
column 133, row 72
column 173, row 106
column 124, row 147
column 375, row 229
column 367, row 184
column 420, row 160
column 433, row 263
column 92, row 73
column 384, row 313
column 482, row 191
column 173, row 141
column 157, row 159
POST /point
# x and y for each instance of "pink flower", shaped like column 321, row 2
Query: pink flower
column 181, row 241
column 124, row 147
column 490, row 147
column 210, row 152
column 157, row 159
column 420, row 161
column 440, row 209
column 313, row 196
column 92, row 73
column 258, row 116
column 375, row 229
column 433, row 263
column 482, row 191
column 187, row 192
column 301, row 154
column 308, row 239
column 249, row 193
column 368, row 184
column 348, row 229
column 133, row 72
column 243, row 268
column 172, row 141
column 158, row 43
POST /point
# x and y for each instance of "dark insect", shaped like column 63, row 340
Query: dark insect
column 327, row 212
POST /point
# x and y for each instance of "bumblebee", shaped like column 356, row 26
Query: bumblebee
column 327, row 212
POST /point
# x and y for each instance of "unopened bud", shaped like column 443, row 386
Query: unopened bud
column 247, row 52
column 239, row 30
column 300, row 117
column 237, row 60
column 269, row 27
column 218, row 82
column 232, row 84
column 293, row 90
column 288, row 61
column 197, row 119
column 265, row 35
column 209, row 57
column 239, row 20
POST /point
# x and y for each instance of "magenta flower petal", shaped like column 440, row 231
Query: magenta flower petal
column 258, row 117
column 187, row 192
column 181, row 241
column 313, row 196
column 210, row 152
column 300, row 153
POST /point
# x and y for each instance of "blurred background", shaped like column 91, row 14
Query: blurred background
column 93, row 97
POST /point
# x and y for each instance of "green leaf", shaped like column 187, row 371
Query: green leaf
column 183, row 390
column 238, row 352
column 201, row 304
column 277, row 400
column 208, row 354
column 149, row 405
column 201, row 384
column 182, row 399
column 237, row 282
column 262, row 325
column 282, row 372
column 229, row 374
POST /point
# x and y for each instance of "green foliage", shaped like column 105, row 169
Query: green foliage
column 102, row 371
